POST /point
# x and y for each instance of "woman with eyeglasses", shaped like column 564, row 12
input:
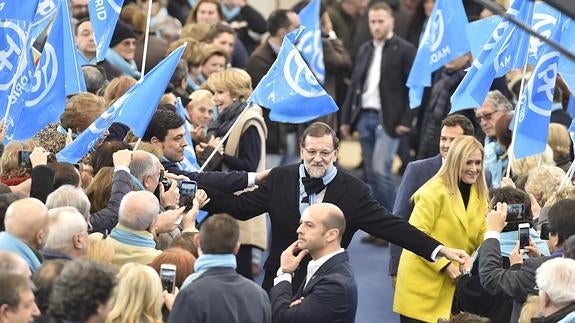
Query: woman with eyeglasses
column 245, row 149
column 451, row 208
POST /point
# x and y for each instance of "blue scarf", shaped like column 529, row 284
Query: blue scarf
column 137, row 183
column 132, row 239
column 305, row 199
column 207, row 262
column 120, row 63
column 509, row 238
column 9, row 242
column 230, row 13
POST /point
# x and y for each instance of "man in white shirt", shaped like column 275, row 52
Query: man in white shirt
column 329, row 292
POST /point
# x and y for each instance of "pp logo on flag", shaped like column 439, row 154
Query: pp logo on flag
column 306, row 46
column 437, row 31
column 299, row 77
column 13, row 41
column 44, row 77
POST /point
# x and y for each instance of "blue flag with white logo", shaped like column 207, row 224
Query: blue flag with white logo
column 309, row 42
column 15, row 21
column 535, row 103
column 190, row 162
column 290, row 90
column 479, row 31
column 546, row 20
column 137, row 105
column 442, row 42
column 506, row 49
column 103, row 16
column 44, row 14
column 57, row 75
column 567, row 66
column 96, row 132
column 140, row 109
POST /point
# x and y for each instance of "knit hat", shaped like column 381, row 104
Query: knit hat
column 121, row 32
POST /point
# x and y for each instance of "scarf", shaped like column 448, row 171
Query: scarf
column 310, row 187
column 508, row 239
column 230, row 13
column 128, row 68
column 132, row 239
column 226, row 119
column 207, row 262
column 11, row 243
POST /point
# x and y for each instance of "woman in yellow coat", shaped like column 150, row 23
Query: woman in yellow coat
column 451, row 208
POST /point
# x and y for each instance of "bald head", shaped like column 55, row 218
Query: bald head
column 139, row 210
column 27, row 219
column 330, row 216
column 146, row 168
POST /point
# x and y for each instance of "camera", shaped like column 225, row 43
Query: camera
column 545, row 229
column 187, row 193
column 515, row 213
column 166, row 183
column 24, row 159
column 523, row 235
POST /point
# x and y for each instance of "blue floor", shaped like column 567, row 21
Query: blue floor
column 374, row 286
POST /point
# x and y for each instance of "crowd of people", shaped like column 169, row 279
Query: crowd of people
column 118, row 237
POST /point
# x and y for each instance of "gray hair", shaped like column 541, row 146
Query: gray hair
column 143, row 163
column 138, row 210
column 64, row 222
column 498, row 101
column 556, row 277
column 68, row 195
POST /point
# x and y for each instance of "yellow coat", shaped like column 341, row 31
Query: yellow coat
column 423, row 290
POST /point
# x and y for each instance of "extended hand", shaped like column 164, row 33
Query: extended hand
column 496, row 218
column 455, row 255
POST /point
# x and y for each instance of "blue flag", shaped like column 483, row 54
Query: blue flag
column 190, row 162
column 535, row 104
column 44, row 14
column 479, row 31
column 546, row 20
column 567, row 66
column 309, row 42
column 140, row 109
column 15, row 21
column 442, row 42
column 44, row 99
column 73, row 75
column 103, row 16
column 571, row 106
column 95, row 132
column 290, row 90
column 506, row 49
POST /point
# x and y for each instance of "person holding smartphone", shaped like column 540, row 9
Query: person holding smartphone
column 451, row 208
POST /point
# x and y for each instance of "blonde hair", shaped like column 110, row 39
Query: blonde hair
column 193, row 52
column 543, row 181
column 138, row 295
column 524, row 165
column 529, row 309
column 559, row 140
column 199, row 96
column 235, row 80
column 100, row 250
column 567, row 192
column 9, row 161
column 100, row 189
column 197, row 30
column 117, row 87
column 460, row 150
column 81, row 110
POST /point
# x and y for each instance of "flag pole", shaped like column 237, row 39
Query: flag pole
column 19, row 69
column 146, row 38
column 489, row 4
column 516, row 119
column 248, row 104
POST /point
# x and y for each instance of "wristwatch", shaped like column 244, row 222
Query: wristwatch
column 281, row 272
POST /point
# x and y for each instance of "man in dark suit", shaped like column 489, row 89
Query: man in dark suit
column 329, row 293
column 420, row 171
column 288, row 190
column 377, row 100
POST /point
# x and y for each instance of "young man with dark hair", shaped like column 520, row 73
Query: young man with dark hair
column 215, row 292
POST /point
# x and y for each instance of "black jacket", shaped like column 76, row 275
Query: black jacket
column 398, row 55
column 226, row 182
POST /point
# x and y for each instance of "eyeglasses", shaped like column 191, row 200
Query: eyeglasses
column 487, row 116
column 322, row 153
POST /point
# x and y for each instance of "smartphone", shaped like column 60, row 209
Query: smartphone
column 523, row 235
column 168, row 277
column 515, row 212
column 187, row 193
column 544, row 235
column 24, row 159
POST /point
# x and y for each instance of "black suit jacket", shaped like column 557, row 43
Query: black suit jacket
column 279, row 196
column 329, row 296
column 396, row 61
column 227, row 182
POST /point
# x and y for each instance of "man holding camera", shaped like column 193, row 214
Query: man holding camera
column 519, row 283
